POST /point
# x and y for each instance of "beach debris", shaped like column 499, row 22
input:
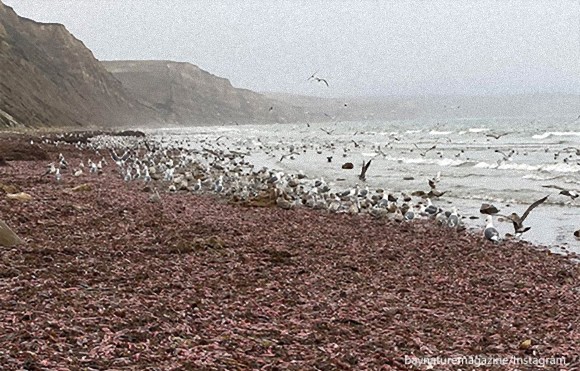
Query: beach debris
column 82, row 188
column 526, row 344
column 348, row 165
column 8, row 188
column 20, row 196
column 577, row 234
column 488, row 209
column 7, row 237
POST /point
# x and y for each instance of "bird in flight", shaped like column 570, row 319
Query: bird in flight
column 363, row 172
column 425, row 151
column 496, row 135
column 518, row 222
column 313, row 77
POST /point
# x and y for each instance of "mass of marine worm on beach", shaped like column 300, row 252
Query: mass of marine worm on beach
column 222, row 163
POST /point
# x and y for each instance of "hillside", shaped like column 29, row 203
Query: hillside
column 184, row 93
column 49, row 78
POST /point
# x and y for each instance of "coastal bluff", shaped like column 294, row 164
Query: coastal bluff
column 49, row 78
column 186, row 94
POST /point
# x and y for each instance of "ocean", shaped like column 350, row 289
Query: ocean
column 510, row 172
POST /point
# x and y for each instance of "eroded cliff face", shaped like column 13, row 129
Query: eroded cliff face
column 49, row 78
column 186, row 94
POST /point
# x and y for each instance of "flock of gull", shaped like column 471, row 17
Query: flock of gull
column 176, row 167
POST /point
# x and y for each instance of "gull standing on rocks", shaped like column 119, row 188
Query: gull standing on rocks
column 490, row 233
column 453, row 220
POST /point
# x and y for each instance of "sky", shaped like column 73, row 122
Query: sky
column 360, row 47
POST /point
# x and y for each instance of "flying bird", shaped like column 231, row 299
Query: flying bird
column 329, row 132
column 518, row 222
column 313, row 77
column 495, row 136
column 563, row 191
column 363, row 172
column 425, row 151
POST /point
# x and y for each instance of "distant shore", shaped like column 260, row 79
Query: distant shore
column 109, row 277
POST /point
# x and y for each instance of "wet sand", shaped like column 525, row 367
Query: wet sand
column 107, row 279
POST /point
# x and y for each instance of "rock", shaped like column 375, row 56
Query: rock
column 488, row 209
column 146, row 189
column 577, row 234
column 82, row 188
column 21, row 196
column 408, row 178
column 7, row 237
column 348, row 165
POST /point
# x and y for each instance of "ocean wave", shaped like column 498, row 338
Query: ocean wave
column 413, row 131
column 478, row 130
column 555, row 168
column 540, row 177
column 435, row 132
column 446, row 162
column 557, row 134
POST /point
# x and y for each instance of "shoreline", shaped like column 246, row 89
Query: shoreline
column 196, row 281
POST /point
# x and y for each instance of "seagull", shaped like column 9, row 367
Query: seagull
column 289, row 154
column 506, row 157
column 197, row 186
column 453, row 220
column 51, row 169
column 490, row 233
column 518, row 221
column 329, row 132
column 563, row 191
column 495, row 136
column 425, row 151
column 363, row 172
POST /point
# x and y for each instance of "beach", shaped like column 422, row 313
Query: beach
column 109, row 278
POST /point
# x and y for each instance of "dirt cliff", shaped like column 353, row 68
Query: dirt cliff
column 186, row 94
column 49, row 78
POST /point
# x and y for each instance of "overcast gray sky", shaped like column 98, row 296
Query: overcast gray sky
column 361, row 47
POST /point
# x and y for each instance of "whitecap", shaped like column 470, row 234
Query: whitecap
column 557, row 133
column 435, row 132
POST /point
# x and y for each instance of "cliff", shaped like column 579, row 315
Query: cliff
column 188, row 95
column 49, row 78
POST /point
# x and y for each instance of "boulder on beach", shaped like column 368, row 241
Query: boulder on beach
column 488, row 209
column 7, row 237
column 348, row 165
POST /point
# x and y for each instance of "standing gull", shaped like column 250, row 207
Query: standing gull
column 490, row 233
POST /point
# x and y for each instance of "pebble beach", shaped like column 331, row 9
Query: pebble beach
column 109, row 277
